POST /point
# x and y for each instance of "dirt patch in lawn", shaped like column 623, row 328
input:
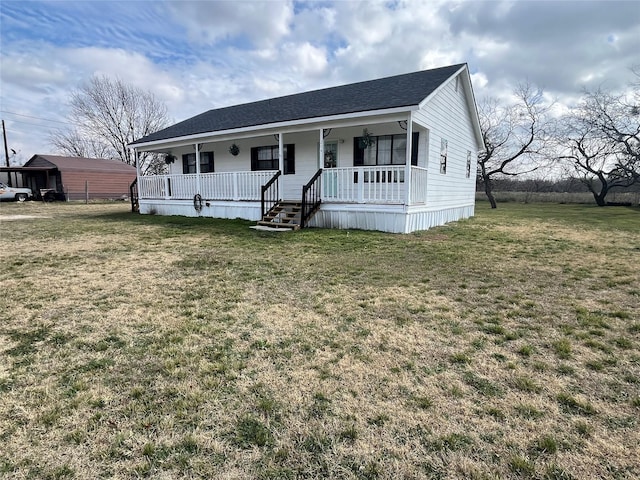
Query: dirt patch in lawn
column 19, row 217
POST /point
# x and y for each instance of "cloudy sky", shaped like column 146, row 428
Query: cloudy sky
column 195, row 56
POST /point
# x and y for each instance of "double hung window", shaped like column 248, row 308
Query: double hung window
column 189, row 162
column 443, row 156
column 266, row 158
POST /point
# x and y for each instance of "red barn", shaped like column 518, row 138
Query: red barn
column 76, row 178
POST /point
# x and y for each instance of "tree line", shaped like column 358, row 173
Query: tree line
column 569, row 184
column 595, row 143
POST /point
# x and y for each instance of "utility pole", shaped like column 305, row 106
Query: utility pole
column 6, row 152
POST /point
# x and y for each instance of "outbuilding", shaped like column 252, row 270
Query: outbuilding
column 76, row 178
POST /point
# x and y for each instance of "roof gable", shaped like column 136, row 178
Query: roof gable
column 39, row 161
column 385, row 93
column 464, row 78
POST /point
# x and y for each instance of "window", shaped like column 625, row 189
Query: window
column 189, row 162
column 468, row 163
column 385, row 150
column 443, row 156
column 266, row 158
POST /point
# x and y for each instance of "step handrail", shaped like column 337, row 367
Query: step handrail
column 270, row 194
column 133, row 194
column 311, row 198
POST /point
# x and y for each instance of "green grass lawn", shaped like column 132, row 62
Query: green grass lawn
column 504, row 346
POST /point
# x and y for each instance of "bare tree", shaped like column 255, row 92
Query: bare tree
column 617, row 120
column 602, row 141
column 73, row 143
column 515, row 136
column 109, row 114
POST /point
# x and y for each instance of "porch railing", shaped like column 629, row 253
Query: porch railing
column 375, row 184
column 214, row 186
column 311, row 197
column 418, row 192
column 270, row 194
column 381, row 184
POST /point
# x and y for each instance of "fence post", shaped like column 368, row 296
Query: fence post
column 86, row 192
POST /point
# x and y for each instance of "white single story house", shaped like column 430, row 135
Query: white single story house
column 397, row 154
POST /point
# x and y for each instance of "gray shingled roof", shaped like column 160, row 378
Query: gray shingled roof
column 390, row 92
column 63, row 163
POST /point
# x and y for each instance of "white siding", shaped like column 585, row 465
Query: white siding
column 306, row 163
column 218, row 209
column 393, row 219
column 446, row 116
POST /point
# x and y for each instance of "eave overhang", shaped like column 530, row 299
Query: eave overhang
column 332, row 121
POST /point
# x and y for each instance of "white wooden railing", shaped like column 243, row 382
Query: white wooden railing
column 213, row 186
column 418, row 191
column 380, row 184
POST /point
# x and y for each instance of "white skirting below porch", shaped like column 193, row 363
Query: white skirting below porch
column 210, row 208
column 424, row 219
column 386, row 218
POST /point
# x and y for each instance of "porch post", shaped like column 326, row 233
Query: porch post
column 321, row 158
column 321, row 155
column 137, row 165
column 137, row 162
column 280, row 153
column 407, row 166
column 198, row 168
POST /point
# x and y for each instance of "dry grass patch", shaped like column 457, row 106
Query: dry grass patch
column 165, row 347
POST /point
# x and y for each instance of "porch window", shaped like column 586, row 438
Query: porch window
column 189, row 162
column 443, row 156
column 266, row 158
column 385, row 150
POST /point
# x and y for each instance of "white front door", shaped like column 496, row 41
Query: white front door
column 330, row 161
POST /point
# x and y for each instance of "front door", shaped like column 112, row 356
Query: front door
column 330, row 162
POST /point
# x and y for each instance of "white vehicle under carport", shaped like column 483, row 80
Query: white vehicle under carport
column 15, row 193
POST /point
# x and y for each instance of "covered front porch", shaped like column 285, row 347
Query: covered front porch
column 251, row 195
column 245, row 175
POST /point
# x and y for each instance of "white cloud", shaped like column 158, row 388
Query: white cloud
column 263, row 22
column 132, row 68
column 479, row 81
column 306, row 59
column 16, row 68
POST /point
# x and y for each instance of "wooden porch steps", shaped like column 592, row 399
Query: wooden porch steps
column 284, row 214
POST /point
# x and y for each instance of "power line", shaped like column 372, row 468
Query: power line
column 33, row 124
column 36, row 118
